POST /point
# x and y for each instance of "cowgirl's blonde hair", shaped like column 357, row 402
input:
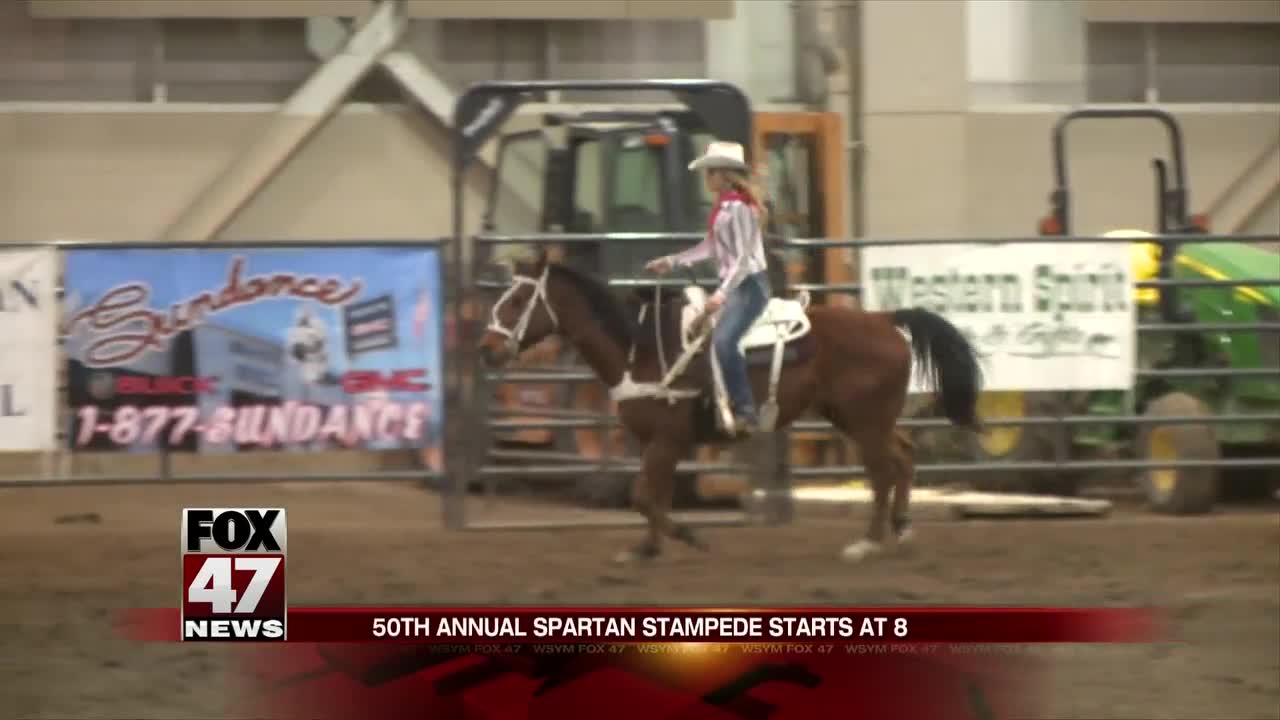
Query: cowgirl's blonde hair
column 753, row 188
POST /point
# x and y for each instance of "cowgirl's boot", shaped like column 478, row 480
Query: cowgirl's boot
column 746, row 422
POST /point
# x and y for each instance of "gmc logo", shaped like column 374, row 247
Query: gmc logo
column 179, row 385
column 363, row 381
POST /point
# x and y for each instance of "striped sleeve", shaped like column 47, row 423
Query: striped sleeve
column 699, row 252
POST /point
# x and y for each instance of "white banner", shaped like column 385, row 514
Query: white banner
column 1044, row 317
column 28, row 349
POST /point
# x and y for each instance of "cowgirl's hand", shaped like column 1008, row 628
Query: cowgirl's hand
column 660, row 265
column 715, row 302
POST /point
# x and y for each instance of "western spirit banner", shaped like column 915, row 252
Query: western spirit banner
column 1045, row 317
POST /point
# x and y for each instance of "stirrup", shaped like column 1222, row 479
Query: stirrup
column 744, row 427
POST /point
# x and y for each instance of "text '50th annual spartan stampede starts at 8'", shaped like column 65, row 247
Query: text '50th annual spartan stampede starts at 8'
column 234, row 589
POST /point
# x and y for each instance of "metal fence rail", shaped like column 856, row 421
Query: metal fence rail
column 470, row 417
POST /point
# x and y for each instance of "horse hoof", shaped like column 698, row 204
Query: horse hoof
column 634, row 555
column 685, row 534
column 859, row 551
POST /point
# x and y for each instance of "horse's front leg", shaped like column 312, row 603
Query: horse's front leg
column 652, row 496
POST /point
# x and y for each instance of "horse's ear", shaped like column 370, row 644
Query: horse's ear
column 523, row 264
column 540, row 263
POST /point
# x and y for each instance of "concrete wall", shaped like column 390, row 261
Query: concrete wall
column 194, row 60
column 382, row 173
column 937, row 165
column 1191, row 62
column 615, row 9
column 990, row 173
column 125, row 175
column 1267, row 220
column 1025, row 51
column 933, row 164
column 1181, row 11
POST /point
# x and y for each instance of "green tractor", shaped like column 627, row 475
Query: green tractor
column 1228, row 365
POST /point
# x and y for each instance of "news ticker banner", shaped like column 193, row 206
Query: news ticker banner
column 820, row 630
column 234, row 589
column 485, row 663
column 680, row 681
column 272, row 348
column 28, row 349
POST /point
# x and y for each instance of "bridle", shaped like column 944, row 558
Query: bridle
column 515, row 335
column 626, row 388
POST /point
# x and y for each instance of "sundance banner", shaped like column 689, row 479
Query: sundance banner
column 28, row 349
column 1057, row 317
column 216, row 350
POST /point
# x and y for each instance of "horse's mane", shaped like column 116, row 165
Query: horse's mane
column 614, row 316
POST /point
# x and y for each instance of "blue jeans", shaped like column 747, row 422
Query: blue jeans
column 741, row 309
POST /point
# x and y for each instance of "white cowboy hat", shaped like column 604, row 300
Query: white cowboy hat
column 722, row 156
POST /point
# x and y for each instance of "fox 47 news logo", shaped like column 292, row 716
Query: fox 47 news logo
column 233, row 574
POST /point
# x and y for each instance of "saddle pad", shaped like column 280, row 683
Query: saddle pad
column 785, row 318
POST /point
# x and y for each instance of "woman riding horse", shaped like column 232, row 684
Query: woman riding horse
column 735, row 240
column 853, row 368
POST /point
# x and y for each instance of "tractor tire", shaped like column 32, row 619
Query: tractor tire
column 1019, row 444
column 1179, row 491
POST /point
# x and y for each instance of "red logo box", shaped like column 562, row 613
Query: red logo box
column 233, row 574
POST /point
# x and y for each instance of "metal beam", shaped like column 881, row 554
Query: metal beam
column 414, row 77
column 1247, row 195
column 832, row 16
column 424, row 85
column 298, row 119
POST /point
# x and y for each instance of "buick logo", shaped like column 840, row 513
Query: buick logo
column 102, row 385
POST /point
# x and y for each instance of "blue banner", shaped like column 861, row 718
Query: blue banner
column 257, row 349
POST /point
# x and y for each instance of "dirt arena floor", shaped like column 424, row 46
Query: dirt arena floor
column 68, row 557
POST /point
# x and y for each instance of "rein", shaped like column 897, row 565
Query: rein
column 657, row 333
column 657, row 329
column 627, row 388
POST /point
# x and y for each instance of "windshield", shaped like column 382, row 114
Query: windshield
column 637, row 187
column 522, row 165
column 515, row 206
column 588, row 199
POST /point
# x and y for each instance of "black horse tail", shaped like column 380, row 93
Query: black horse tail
column 947, row 358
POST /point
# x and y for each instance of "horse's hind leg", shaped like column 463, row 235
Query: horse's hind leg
column 879, row 463
column 903, row 451
column 887, row 457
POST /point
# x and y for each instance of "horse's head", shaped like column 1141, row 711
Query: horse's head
column 523, row 316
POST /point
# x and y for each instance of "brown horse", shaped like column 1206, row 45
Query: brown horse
column 853, row 368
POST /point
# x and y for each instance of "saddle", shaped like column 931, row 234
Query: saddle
column 778, row 338
column 782, row 321
column 770, row 341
